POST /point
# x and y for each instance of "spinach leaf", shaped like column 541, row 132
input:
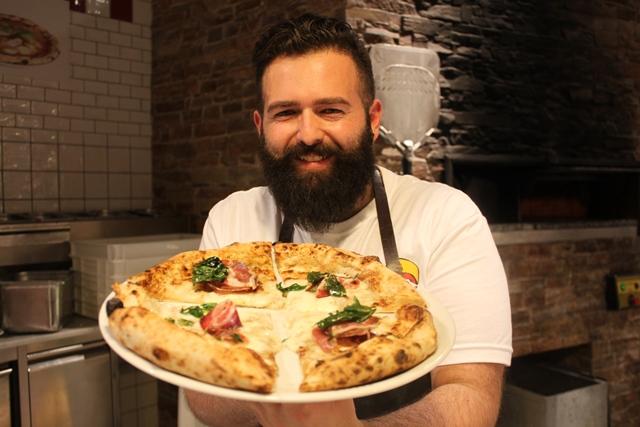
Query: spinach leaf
column 355, row 312
column 334, row 287
column 209, row 270
column 198, row 310
column 184, row 322
column 294, row 287
column 315, row 277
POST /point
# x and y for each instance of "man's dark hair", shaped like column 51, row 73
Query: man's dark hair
column 311, row 33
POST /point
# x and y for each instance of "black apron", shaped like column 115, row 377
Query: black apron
column 382, row 403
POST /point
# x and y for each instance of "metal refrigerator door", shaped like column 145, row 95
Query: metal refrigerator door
column 73, row 390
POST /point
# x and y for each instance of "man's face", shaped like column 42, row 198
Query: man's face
column 316, row 136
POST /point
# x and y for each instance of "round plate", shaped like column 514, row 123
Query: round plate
column 446, row 337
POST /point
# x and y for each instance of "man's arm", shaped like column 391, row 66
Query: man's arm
column 217, row 411
column 463, row 395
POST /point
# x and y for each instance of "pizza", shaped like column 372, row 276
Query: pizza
column 24, row 42
column 232, row 316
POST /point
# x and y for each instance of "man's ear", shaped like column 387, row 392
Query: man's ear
column 257, row 122
column 375, row 115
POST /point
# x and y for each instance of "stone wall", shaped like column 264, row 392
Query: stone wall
column 557, row 300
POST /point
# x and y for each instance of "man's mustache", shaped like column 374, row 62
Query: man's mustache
column 302, row 149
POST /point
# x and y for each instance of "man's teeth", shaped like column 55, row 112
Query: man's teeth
column 312, row 157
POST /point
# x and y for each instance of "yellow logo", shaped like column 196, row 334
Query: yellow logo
column 410, row 271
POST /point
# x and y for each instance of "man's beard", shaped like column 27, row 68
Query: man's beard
column 317, row 200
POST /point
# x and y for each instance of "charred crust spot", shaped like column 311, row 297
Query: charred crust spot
column 379, row 359
column 368, row 368
column 401, row 357
column 160, row 353
column 319, row 363
column 112, row 305
column 356, row 371
column 134, row 292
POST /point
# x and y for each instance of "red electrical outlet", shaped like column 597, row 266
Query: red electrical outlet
column 623, row 291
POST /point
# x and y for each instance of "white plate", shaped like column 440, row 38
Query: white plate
column 284, row 392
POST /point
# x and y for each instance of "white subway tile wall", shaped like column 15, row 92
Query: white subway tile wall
column 82, row 143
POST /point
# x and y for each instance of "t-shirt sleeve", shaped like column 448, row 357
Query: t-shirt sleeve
column 209, row 239
column 466, row 275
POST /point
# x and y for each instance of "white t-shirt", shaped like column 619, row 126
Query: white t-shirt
column 443, row 238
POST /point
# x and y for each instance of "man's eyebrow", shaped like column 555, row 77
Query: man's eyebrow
column 322, row 101
column 334, row 100
column 281, row 104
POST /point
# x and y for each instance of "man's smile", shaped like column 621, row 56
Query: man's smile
column 313, row 162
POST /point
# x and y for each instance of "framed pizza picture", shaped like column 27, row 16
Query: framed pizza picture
column 34, row 39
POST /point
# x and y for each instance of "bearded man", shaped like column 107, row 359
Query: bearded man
column 316, row 122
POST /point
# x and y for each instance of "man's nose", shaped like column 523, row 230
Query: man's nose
column 309, row 128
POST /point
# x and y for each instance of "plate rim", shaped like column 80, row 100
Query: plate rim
column 443, row 322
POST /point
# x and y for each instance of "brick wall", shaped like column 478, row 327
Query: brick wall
column 82, row 142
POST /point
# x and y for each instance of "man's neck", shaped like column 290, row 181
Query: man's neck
column 363, row 200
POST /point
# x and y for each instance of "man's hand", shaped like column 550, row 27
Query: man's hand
column 340, row 413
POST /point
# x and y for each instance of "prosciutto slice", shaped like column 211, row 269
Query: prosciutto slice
column 322, row 339
column 238, row 280
column 223, row 317
column 353, row 329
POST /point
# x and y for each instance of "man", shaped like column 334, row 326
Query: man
column 316, row 122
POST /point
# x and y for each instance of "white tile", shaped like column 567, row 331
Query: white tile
column 119, row 185
column 84, row 73
column 146, row 31
column 95, row 185
column 83, row 125
column 120, row 39
column 106, row 49
column 137, row 117
column 96, row 205
column 46, row 84
column 17, row 206
column 71, row 158
column 44, row 157
column 81, row 98
column 95, row 159
column 141, row 43
column 107, row 24
column 47, row 136
column 109, row 76
column 7, row 120
column 72, row 84
column 76, row 58
column 17, row 184
column 128, row 129
column 15, row 134
column 141, row 186
column 119, row 204
column 70, row 138
column 146, row 81
column 110, row 128
column 56, row 123
column 131, row 54
column 55, row 95
column 95, row 139
column 16, row 105
column 95, row 113
column 83, row 46
column 96, row 61
column 118, row 115
column 76, row 32
column 131, row 29
column 74, row 111
column 147, row 57
column 108, row 101
column 141, row 160
column 44, row 185
column 28, row 121
column 145, row 130
column 94, row 35
column 47, row 205
column 15, row 156
column 119, row 160
column 141, row 92
column 141, row 67
column 118, row 141
column 83, row 19
column 30, row 92
column 44, row 108
column 119, row 64
column 118, row 90
column 141, row 204
column 7, row 90
column 131, row 104
column 146, row 106
column 72, row 205
column 16, row 80
column 71, row 185
column 142, row 12
column 131, row 79
column 140, row 142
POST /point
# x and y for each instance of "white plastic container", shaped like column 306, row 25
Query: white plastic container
column 99, row 263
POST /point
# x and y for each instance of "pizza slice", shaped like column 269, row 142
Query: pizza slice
column 241, row 273
column 332, row 277
column 213, row 342
column 358, row 345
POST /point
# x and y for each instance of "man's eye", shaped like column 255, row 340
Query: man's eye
column 284, row 113
column 331, row 111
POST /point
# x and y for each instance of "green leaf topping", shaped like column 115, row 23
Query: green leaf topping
column 169, row 319
column 294, row 287
column 334, row 287
column 315, row 277
column 184, row 322
column 209, row 270
column 198, row 310
column 237, row 337
column 355, row 312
